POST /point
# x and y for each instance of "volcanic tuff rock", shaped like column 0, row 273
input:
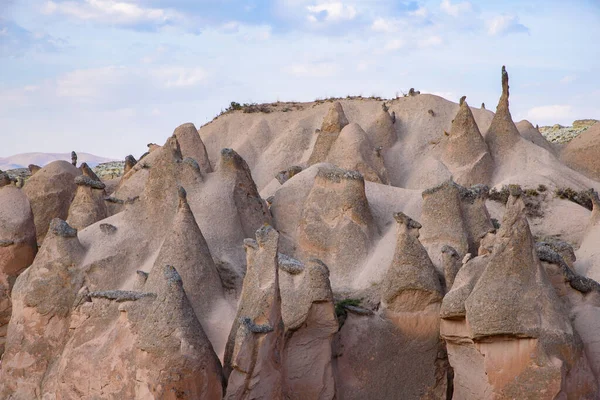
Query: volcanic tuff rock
column 156, row 290
column 334, row 122
column 50, row 192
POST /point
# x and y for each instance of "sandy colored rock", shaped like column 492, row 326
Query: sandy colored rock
column 443, row 222
column 354, row 151
column 50, row 192
column 336, row 225
column 583, row 153
column 502, row 135
column 192, row 146
column 42, row 298
column 382, row 132
column 18, row 247
column 531, row 133
column 310, row 324
column 253, row 356
column 465, row 152
column 88, row 205
column 334, row 122
column 412, row 283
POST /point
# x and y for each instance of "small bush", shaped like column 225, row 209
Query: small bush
column 501, row 196
column 495, row 223
column 531, row 193
column 582, row 198
column 541, row 188
column 340, row 306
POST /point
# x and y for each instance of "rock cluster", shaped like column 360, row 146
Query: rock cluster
column 253, row 259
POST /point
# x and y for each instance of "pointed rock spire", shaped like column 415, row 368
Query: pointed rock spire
column 334, row 122
column 175, row 354
column 130, row 162
column 465, row 152
column 88, row 205
column 252, row 210
column 253, row 354
column 502, row 134
column 186, row 250
column 354, row 151
column 412, row 282
column 192, row 146
column 382, row 131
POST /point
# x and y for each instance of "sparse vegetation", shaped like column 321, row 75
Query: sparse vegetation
column 582, row 198
column 531, row 192
column 501, row 196
column 541, row 188
column 340, row 309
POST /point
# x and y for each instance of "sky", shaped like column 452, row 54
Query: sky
column 110, row 76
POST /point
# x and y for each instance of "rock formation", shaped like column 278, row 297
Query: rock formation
column 336, row 225
column 465, row 152
column 513, row 317
column 353, row 150
column 192, row 146
column 253, row 356
column 581, row 152
column 88, row 206
column 334, row 122
column 50, row 192
column 502, row 135
column 18, row 246
column 382, row 131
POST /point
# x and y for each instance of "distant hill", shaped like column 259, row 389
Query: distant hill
column 41, row 159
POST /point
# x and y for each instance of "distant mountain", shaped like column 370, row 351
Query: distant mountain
column 41, row 159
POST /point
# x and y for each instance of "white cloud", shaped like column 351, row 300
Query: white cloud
column 179, row 77
column 431, row 41
column 421, row 12
column 505, row 24
column 395, row 44
column 316, row 70
column 457, row 9
column 568, row 79
column 89, row 83
column 331, row 12
column 550, row 114
column 110, row 11
column 385, row 25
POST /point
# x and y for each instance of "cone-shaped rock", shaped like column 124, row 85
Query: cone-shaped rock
column 176, row 356
column 476, row 218
column 130, row 162
column 334, row 122
column 253, row 356
column 252, row 210
column 42, row 298
column 88, row 206
column 87, row 171
column 336, row 224
column 412, row 282
column 186, row 250
column 354, row 151
column 382, row 131
column 192, row 146
column 50, row 192
column 465, row 152
column 531, row 133
column 515, row 338
column 443, row 222
column 310, row 323
column 502, row 134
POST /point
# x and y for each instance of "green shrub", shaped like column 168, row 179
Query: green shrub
column 582, row 198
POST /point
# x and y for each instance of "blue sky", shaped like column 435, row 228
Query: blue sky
column 109, row 76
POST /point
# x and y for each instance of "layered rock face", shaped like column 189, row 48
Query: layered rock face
column 263, row 258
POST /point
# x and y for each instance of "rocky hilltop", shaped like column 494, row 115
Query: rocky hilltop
column 413, row 248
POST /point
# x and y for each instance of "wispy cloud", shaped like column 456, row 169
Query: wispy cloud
column 568, row 79
column 505, row 24
column 456, row 9
column 331, row 12
column 112, row 12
